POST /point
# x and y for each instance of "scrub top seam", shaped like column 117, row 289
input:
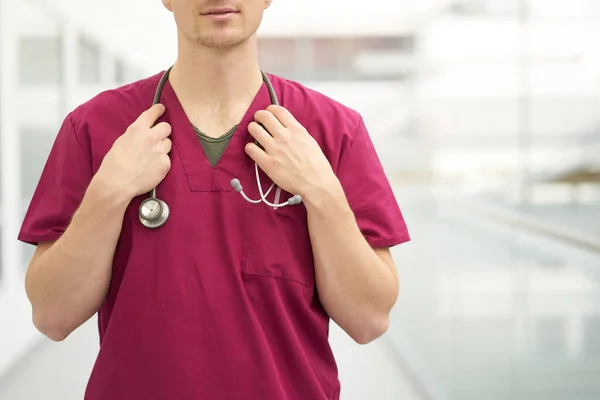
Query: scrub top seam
column 283, row 278
column 356, row 129
column 74, row 133
column 176, row 146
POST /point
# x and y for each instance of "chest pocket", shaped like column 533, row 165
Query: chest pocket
column 278, row 244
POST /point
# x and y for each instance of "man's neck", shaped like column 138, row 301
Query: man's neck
column 216, row 87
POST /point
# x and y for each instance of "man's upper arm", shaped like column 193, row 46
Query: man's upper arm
column 61, row 188
column 40, row 249
column 385, row 255
column 370, row 194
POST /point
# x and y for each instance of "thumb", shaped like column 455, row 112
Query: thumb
column 149, row 117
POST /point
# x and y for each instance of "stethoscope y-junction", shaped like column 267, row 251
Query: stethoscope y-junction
column 154, row 212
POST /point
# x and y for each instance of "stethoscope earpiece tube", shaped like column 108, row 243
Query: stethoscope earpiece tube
column 237, row 186
column 154, row 213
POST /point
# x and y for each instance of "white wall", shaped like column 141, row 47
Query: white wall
column 343, row 17
column 16, row 330
column 564, row 60
column 477, row 70
column 293, row 18
column 151, row 39
column 141, row 30
column 48, row 102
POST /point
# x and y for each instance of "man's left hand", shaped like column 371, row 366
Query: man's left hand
column 291, row 157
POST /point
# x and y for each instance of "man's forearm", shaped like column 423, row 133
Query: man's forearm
column 356, row 287
column 68, row 282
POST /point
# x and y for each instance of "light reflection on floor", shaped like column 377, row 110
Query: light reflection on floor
column 491, row 313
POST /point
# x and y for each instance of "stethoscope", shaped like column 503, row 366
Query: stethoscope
column 154, row 212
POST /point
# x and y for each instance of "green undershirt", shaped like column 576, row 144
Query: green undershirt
column 214, row 147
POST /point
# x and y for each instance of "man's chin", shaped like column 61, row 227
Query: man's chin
column 222, row 41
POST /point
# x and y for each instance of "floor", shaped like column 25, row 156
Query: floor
column 490, row 312
column 485, row 312
column 59, row 371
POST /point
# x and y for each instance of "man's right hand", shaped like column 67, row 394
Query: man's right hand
column 67, row 282
column 139, row 159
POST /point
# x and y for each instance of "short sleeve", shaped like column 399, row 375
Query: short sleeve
column 60, row 190
column 370, row 194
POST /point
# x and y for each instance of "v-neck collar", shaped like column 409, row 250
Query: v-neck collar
column 201, row 175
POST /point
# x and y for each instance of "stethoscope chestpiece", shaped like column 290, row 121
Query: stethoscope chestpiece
column 153, row 213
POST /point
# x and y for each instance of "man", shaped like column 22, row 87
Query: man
column 228, row 299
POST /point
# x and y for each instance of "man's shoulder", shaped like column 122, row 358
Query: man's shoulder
column 311, row 101
column 131, row 98
column 333, row 124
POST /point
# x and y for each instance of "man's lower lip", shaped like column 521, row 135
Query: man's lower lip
column 220, row 15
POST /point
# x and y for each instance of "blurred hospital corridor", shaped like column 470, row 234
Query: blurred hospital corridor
column 491, row 312
column 484, row 114
column 60, row 370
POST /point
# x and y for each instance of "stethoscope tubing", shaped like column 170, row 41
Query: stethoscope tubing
column 153, row 212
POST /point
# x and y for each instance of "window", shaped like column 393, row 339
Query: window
column 120, row 72
column 124, row 73
column 337, row 58
column 89, row 62
column 583, row 9
column 1, row 188
column 35, row 148
column 39, row 60
column 508, row 8
column 35, row 145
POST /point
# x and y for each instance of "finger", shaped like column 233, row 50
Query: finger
column 258, row 155
column 148, row 118
column 166, row 145
column 269, row 122
column 163, row 130
column 259, row 133
column 165, row 163
column 282, row 114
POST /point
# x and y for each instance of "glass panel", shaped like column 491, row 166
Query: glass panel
column 591, row 333
column 89, row 62
column 35, row 145
column 484, row 7
column 38, row 46
column 124, row 74
column 120, row 73
column 581, row 9
column 40, row 72
column 336, row 59
column 39, row 60
column 497, row 171
column 1, row 165
column 35, row 148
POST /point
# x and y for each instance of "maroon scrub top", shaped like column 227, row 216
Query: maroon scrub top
column 219, row 303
